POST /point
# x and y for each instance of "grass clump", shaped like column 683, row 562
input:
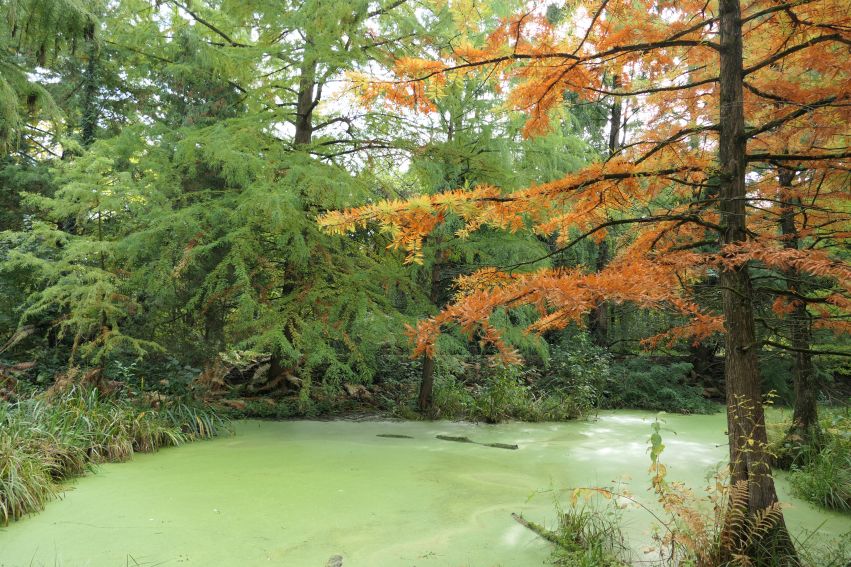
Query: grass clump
column 43, row 442
column 824, row 477
column 590, row 537
column 26, row 479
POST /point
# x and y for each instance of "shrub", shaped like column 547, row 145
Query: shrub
column 639, row 383
column 452, row 399
column 501, row 398
column 576, row 373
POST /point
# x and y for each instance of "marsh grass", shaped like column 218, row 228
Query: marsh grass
column 820, row 474
column 43, row 442
column 826, row 478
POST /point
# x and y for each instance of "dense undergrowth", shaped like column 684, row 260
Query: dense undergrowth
column 46, row 441
column 576, row 379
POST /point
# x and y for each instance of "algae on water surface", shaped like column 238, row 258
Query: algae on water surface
column 298, row 493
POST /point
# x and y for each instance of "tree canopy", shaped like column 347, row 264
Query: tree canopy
column 274, row 197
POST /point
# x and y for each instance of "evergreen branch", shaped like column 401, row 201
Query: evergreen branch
column 638, row 220
column 385, row 9
column 675, row 137
column 778, row 8
column 208, row 25
column 797, row 157
column 806, row 350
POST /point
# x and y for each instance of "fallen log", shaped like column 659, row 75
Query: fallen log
column 540, row 530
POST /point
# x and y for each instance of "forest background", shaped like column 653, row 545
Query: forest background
column 163, row 172
column 173, row 174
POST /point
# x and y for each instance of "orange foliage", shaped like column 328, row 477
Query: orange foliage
column 797, row 102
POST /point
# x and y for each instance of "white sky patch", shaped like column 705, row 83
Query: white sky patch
column 42, row 75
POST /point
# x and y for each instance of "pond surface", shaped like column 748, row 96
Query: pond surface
column 296, row 493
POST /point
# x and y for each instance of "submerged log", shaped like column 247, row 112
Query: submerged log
column 394, row 436
column 510, row 446
column 468, row 440
column 456, row 439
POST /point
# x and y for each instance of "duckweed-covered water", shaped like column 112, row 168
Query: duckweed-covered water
column 297, row 493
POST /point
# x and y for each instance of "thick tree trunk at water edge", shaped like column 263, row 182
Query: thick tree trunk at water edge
column 749, row 464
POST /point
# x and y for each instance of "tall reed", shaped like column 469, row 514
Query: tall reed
column 43, row 442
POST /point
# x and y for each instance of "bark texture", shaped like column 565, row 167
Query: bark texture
column 749, row 460
column 598, row 322
column 805, row 426
column 89, row 111
column 307, row 99
column 426, row 394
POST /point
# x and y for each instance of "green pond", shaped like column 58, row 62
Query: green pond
column 297, row 493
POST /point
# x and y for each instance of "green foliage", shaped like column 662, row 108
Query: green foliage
column 776, row 372
column 33, row 33
column 503, row 396
column 578, row 369
column 452, row 399
column 566, row 382
column 640, row 383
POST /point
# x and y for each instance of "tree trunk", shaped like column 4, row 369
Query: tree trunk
column 305, row 104
column 805, row 426
column 89, row 111
column 598, row 322
column 426, row 396
column 615, row 125
column 307, row 97
column 749, row 463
